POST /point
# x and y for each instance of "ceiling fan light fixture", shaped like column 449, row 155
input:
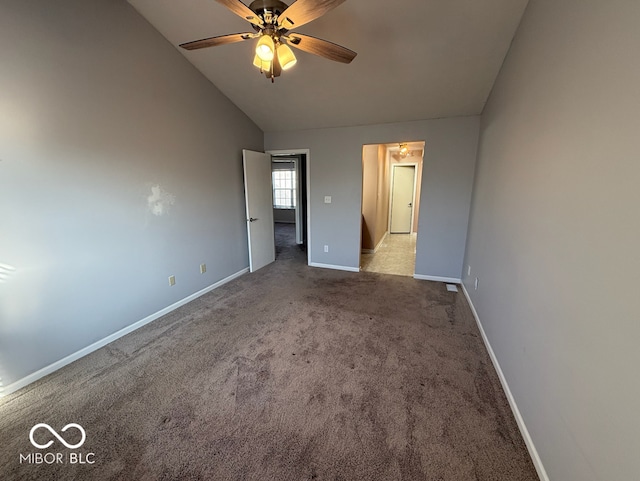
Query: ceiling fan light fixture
column 271, row 21
column 286, row 57
column 265, row 48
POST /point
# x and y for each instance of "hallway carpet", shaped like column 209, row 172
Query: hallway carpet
column 291, row 373
column 396, row 255
column 285, row 240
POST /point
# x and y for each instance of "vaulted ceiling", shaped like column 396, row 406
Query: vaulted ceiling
column 417, row 59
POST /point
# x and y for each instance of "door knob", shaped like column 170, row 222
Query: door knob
column 253, row 219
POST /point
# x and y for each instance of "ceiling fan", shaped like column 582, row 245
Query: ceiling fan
column 273, row 21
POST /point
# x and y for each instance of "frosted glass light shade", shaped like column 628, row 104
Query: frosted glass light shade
column 258, row 62
column 286, row 57
column 265, row 48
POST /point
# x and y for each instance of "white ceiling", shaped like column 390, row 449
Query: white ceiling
column 417, row 59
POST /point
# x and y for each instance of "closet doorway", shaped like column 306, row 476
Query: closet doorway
column 403, row 188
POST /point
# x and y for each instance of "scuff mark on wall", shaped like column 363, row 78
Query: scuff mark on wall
column 159, row 201
column 5, row 272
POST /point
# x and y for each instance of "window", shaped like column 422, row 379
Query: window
column 284, row 185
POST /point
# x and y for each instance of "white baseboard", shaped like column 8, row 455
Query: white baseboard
column 20, row 383
column 450, row 280
column 375, row 249
column 533, row 452
column 381, row 241
column 338, row 268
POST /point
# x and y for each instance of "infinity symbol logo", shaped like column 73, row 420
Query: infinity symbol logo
column 46, row 426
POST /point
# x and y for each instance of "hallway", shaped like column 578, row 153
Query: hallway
column 396, row 255
column 285, row 243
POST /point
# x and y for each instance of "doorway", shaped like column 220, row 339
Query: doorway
column 289, row 186
column 391, row 180
column 403, row 179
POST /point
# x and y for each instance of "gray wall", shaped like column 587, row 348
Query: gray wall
column 120, row 165
column 554, row 234
column 336, row 170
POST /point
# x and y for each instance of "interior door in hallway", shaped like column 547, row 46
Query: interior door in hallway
column 259, row 207
column 402, row 194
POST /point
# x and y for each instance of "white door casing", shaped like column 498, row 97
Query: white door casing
column 299, row 205
column 259, row 208
column 402, row 198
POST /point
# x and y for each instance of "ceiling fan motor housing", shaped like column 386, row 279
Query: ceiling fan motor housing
column 275, row 7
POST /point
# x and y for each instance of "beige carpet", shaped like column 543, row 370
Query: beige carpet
column 290, row 373
column 396, row 255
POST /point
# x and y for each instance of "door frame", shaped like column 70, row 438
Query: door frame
column 307, row 154
column 413, row 198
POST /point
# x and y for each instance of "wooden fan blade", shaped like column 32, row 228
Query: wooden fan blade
column 240, row 9
column 321, row 47
column 304, row 11
column 215, row 41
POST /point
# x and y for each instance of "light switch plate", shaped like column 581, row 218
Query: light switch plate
column 327, row 199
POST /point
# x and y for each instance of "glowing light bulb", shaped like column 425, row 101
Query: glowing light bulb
column 265, row 48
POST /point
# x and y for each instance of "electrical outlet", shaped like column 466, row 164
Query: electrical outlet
column 476, row 284
column 326, row 248
column 468, row 270
column 327, row 199
column 172, row 280
column 203, row 268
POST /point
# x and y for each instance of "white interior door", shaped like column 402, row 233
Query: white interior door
column 402, row 189
column 259, row 201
